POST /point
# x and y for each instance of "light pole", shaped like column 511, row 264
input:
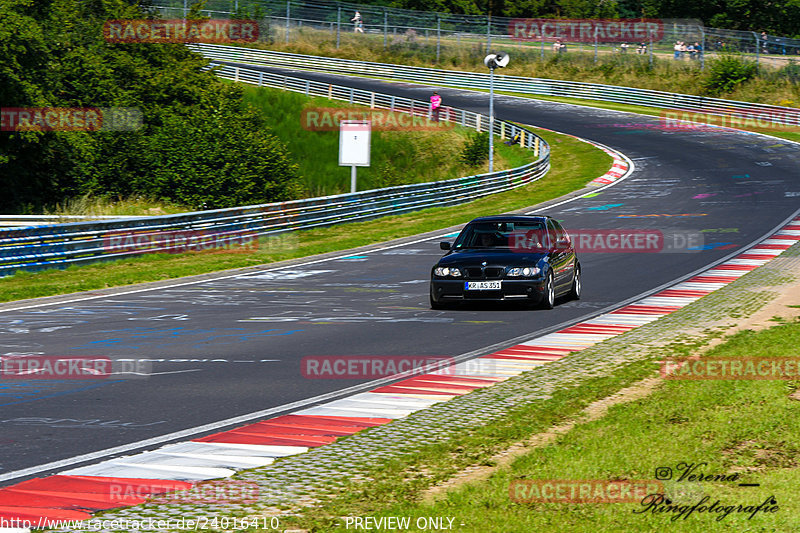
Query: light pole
column 493, row 61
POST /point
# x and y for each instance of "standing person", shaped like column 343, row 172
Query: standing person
column 436, row 104
column 677, row 49
column 623, row 48
column 698, row 50
column 357, row 24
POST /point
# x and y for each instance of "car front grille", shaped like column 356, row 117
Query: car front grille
column 493, row 273
column 484, row 273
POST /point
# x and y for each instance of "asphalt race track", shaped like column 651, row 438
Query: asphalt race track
column 233, row 346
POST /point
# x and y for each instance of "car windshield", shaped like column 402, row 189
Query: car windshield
column 507, row 235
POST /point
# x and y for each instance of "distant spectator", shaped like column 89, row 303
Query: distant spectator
column 559, row 47
column 623, row 48
column 436, row 105
column 357, row 23
column 677, row 50
column 764, row 40
column 642, row 48
column 698, row 51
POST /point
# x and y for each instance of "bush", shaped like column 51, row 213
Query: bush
column 726, row 72
column 790, row 72
column 476, row 149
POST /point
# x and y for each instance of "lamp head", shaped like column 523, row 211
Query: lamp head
column 498, row 60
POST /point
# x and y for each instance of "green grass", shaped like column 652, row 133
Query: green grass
column 397, row 157
column 574, row 163
column 131, row 206
column 734, row 426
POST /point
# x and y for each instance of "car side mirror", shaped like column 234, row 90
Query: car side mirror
column 444, row 245
column 562, row 243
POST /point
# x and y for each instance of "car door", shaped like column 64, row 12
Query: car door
column 556, row 254
column 567, row 257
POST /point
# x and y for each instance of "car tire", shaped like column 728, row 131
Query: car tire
column 549, row 295
column 575, row 291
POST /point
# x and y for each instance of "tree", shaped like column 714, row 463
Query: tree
column 54, row 55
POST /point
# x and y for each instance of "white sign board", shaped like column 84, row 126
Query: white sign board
column 354, row 139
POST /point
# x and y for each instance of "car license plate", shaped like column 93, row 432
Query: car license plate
column 481, row 285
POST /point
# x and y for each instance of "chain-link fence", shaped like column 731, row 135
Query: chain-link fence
column 683, row 40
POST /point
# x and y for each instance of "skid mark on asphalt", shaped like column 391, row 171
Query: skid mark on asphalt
column 14, row 394
column 283, row 275
column 140, row 337
column 77, row 423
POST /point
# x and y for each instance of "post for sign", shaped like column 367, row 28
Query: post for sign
column 438, row 36
column 758, row 46
column 491, row 119
column 489, row 31
column 703, row 49
column 595, row 42
column 288, row 14
column 354, row 146
column 542, row 48
column 385, row 27
column 493, row 61
column 338, row 25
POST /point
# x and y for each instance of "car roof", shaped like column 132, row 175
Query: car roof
column 511, row 218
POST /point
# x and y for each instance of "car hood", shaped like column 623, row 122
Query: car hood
column 492, row 257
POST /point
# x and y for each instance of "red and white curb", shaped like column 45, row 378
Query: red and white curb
column 124, row 481
column 618, row 169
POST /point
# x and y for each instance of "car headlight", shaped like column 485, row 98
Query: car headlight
column 523, row 271
column 445, row 272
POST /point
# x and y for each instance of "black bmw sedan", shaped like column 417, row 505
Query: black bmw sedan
column 526, row 258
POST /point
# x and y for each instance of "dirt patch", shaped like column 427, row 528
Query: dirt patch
column 763, row 455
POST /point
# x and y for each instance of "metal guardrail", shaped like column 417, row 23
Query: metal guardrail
column 776, row 115
column 38, row 248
